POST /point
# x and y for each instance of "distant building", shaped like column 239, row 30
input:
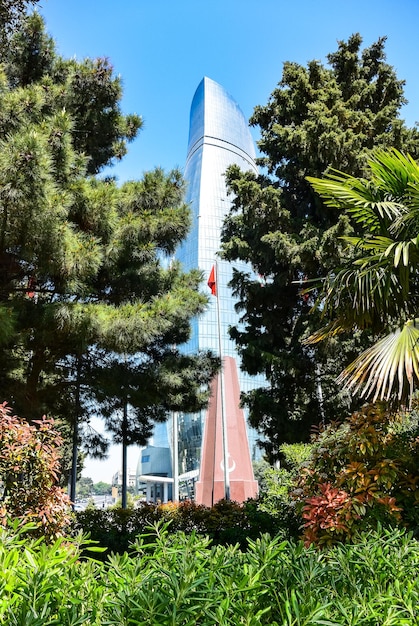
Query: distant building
column 117, row 478
column 154, row 474
column 219, row 136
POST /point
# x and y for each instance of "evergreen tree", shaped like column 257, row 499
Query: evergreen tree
column 11, row 13
column 85, row 280
column 318, row 117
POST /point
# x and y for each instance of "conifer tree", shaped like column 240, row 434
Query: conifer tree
column 319, row 117
column 84, row 284
column 11, row 13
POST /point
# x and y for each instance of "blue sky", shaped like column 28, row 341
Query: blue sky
column 162, row 49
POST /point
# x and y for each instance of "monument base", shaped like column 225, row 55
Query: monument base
column 210, row 487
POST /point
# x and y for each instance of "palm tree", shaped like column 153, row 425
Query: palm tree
column 378, row 286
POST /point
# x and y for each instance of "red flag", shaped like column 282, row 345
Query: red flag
column 211, row 281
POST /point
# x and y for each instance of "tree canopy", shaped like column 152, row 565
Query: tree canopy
column 319, row 117
column 11, row 13
column 87, row 285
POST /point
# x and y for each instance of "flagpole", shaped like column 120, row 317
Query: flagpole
column 223, row 402
column 175, row 457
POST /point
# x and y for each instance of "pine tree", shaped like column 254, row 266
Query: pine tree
column 11, row 13
column 318, row 117
column 86, row 280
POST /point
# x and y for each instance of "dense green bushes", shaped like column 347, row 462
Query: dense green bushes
column 178, row 578
column 226, row 523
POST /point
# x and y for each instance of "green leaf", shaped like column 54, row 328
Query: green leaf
column 390, row 366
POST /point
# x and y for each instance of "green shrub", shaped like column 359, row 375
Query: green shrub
column 276, row 486
column 180, row 578
column 42, row 584
column 115, row 529
column 226, row 523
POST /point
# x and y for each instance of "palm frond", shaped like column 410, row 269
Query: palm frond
column 391, row 365
column 330, row 330
column 365, row 294
column 393, row 171
column 379, row 282
column 339, row 190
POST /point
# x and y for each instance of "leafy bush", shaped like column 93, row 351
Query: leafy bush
column 276, row 485
column 29, row 473
column 361, row 472
column 227, row 523
column 115, row 528
column 179, row 578
column 42, row 584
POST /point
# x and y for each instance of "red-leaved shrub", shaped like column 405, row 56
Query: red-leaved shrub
column 29, row 473
column 361, row 472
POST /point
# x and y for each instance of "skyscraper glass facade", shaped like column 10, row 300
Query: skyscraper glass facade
column 219, row 136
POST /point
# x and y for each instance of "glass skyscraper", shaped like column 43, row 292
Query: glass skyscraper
column 219, row 136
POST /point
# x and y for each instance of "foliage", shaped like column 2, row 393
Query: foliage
column 84, row 487
column 361, row 472
column 319, row 116
column 178, row 578
column 130, row 502
column 378, row 286
column 11, row 12
column 260, row 468
column 276, row 485
column 102, row 488
column 227, row 523
column 275, row 501
column 294, row 455
column 29, row 474
column 91, row 310
column 44, row 584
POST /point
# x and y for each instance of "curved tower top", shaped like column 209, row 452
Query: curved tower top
column 216, row 117
column 219, row 137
